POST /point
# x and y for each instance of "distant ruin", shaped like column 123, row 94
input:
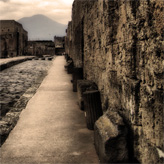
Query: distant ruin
column 14, row 42
column 118, row 44
column 59, row 45
column 40, row 47
column 13, row 39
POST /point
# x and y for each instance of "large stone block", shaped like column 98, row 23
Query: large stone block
column 77, row 75
column 69, row 66
column 93, row 108
column 110, row 138
column 82, row 86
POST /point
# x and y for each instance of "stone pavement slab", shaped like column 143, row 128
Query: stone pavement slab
column 8, row 62
column 52, row 128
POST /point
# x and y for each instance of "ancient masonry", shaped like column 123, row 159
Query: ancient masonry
column 59, row 45
column 40, row 47
column 119, row 45
column 13, row 39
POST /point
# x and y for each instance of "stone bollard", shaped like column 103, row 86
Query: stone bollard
column 67, row 57
column 92, row 107
column 69, row 67
column 82, row 86
column 77, row 75
column 50, row 58
column 43, row 58
column 110, row 137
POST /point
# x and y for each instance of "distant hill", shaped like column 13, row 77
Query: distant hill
column 40, row 27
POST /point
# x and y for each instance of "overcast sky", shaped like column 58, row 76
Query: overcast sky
column 58, row 10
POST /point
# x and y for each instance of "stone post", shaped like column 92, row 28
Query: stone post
column 77, row 75
column 92, row 107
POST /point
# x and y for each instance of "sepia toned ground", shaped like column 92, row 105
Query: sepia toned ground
column 17, row 79
column 7, row 60
column 17, row 85
column 52, row 128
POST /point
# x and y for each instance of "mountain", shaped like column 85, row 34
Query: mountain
column 40, row 27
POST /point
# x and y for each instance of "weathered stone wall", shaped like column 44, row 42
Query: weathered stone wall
column 119, row 44
column 13, row 39
column 40, row 48
column 68, row 40
column 59, row 43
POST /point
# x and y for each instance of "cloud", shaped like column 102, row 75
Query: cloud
column 58, row 10
column 4, row 0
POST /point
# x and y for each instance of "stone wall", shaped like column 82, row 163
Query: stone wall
column 120, row 45
column 13, row 39
column 59, row 43
column 40, row 47
column 68, row 40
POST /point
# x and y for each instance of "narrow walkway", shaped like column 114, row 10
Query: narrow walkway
column 7, row 60
column 52, row 128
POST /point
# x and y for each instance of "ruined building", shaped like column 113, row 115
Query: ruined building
column 119, row 45
column 13, row 39
column 41, row 47
column 59, row 45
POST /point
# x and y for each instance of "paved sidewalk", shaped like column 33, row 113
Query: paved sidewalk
column 7, row 60
column 52, row 128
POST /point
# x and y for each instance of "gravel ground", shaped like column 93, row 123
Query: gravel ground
column 17, row 85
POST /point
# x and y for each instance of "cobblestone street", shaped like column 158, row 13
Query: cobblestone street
column 16, row 80
column 17, row 85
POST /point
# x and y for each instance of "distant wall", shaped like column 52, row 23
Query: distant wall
column 59, row 41
column 59, row 45
column 120, row 46
column 40, row 48
column 13, row 39
column 68, row 41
